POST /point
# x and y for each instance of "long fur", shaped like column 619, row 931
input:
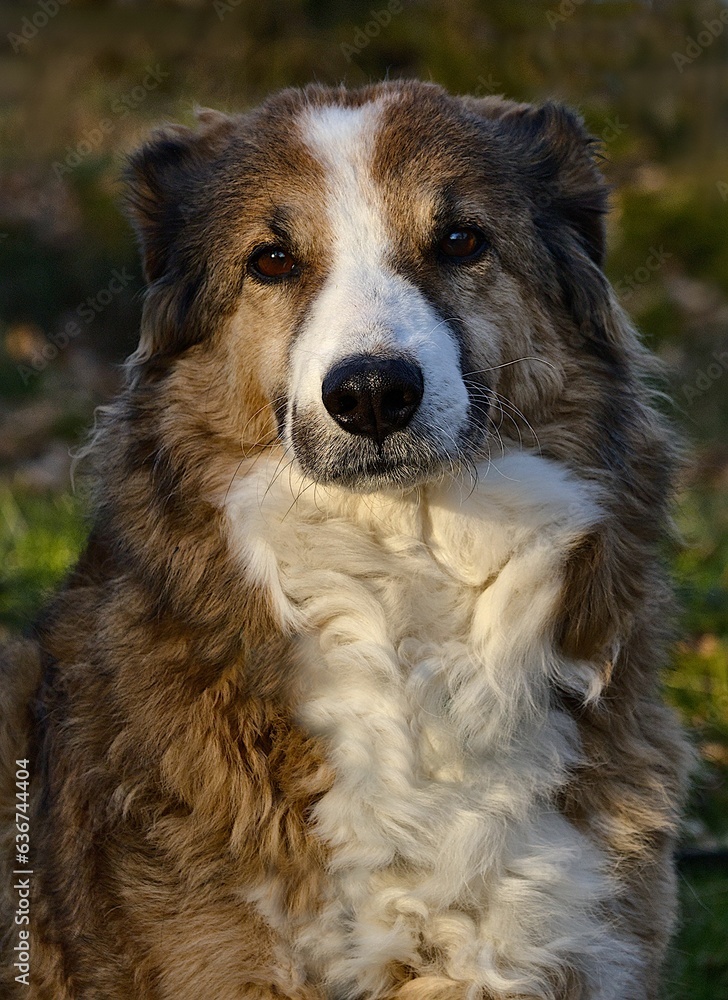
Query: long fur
column 295, row 739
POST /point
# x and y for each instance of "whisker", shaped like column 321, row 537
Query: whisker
column 490, row 397
column 278, row 472
column 507, row 408
column 503, row 400
column 232, row 479
column 447, row 319
column 481, row 371
column 298, row 496
column 505, row 415
column 500, row 439
column 250, row 419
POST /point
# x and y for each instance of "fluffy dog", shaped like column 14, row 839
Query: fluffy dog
column 354, row 691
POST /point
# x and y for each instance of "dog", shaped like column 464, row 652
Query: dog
column 354, row 692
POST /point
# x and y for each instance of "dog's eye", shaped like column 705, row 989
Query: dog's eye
column 463, row 243
column 273, row 262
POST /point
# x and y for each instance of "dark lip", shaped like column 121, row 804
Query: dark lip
column 371, row 473
column 362, row 466
column 370, row 479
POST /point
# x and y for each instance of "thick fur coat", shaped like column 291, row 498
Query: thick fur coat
column 338, row 712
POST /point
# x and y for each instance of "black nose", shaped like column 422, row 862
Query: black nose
column 373, row 396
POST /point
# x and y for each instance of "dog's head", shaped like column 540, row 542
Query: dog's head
column 383, row 280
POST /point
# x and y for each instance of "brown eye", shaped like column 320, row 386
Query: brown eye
column 273, row 262
column 463, row 243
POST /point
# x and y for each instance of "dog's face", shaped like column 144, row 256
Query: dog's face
column 369, row 266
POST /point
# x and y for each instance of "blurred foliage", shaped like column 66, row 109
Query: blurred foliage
column 698, row 682
column 79, row 92
column 698, row 969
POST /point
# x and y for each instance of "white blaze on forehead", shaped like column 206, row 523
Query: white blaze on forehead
column 365, row 306
column 343, row 141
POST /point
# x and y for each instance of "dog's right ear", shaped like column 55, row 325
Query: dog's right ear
column 168, row 200
column 163, row 180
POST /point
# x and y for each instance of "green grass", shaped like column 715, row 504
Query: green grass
column 40, row 537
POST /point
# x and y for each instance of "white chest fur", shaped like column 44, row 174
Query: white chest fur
column 427, row 665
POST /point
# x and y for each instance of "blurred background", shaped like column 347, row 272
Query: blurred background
column 81, row 83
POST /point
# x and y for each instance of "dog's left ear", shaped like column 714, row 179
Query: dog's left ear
column 563, row 165
column 558, row 159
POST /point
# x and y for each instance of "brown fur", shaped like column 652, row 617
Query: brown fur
column 168, row 771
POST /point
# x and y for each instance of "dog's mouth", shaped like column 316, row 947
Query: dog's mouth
column 401, row 460
column 377, row 429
